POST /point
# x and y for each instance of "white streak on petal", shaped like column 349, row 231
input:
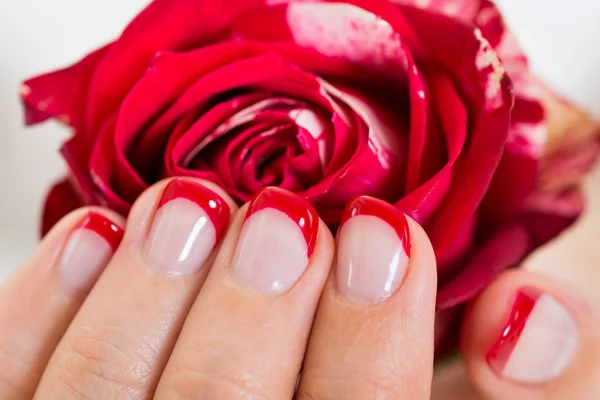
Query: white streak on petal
column 347, row 31
column 308, row 120
column 314, row 125
column 487, row 58
column 236, row 120
column 383, row 133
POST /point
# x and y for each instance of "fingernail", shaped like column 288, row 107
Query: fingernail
column 88, row 250
column 276, row 242
column 373, row 250
column 189, row 222
column 538, row 340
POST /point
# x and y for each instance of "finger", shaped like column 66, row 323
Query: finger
column 121, row 338
column 246, row 334
column 373, row 334
column 39, row 300
column 526, row 337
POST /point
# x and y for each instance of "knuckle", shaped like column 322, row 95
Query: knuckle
column 102, row 361
column 217, row 376
column 317, row 386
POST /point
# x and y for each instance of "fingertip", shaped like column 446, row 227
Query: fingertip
column 373, row 333
column 53, row 242
column 146, row 205
column 527, row 336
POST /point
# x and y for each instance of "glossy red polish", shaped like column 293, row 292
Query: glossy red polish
column 189, row 222
column 502, row 348
column 373, row 250
column 276, row 241
column 538, row 341
column 298, row 209
column 96, row 222
column 210, row 202
column 88, row 250
column 369, row 206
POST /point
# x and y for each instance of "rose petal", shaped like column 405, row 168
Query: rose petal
column 449, row 108
column 162, row 26
column 376, row 166
column 177, row 83
column 543, row 219
column 486, row 92
column 61, row 200
column 506, row 248
column 76, row 153
column 335, row 30
column 110, row 175
column 463, row 9
column 61, row 94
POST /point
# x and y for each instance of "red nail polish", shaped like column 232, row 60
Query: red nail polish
column 502, row 348
column 298, row 209
column 104, row 227
column 365, row 205
column 213, row 205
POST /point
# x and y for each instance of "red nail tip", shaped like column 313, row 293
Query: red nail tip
column 295, row 207
column 365, row 205
column 104, row 227
column 213, row 205
column 498, row 354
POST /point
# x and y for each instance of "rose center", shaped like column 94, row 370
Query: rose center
column 261, row 139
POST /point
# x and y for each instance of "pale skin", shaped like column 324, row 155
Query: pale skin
column 136, row 333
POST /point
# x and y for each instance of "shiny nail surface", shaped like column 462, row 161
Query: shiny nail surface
column 373, row 250
column 88, row 250
column 538, row 340
column 276, row 241
column 189, row 222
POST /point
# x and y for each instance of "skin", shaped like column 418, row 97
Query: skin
column 140, row 334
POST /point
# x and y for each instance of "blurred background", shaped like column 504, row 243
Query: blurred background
column 561, row 38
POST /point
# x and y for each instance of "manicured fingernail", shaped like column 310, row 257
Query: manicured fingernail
column 373, row 250
column 88, row 250
column 189, row 222
column 276, row 241
column 538, row 340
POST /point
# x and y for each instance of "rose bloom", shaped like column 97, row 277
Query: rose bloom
column 428, row 104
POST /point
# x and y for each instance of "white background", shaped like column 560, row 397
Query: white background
column 561, row 37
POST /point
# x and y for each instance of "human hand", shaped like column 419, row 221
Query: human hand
column 189, row 305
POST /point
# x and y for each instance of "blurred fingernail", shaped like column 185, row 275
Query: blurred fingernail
column 189, row 222
column 538, row 340
column 373, row 250
column 276, row 241
column 88, row 250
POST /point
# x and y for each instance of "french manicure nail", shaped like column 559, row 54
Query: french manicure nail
column 276, row 241
column 538, row 340
column 373, row 250
column 190, row 220
column 87, row 251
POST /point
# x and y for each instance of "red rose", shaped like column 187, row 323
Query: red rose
column 407, row 101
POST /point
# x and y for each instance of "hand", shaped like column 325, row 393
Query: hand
column 189, row 305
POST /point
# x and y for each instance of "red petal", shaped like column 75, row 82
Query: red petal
column 61, row 200
column 61, row 94
column 544, row 218
column 486, row 91
column 506, row 248
column 449, row 108
column 164, row 25
column 180, row 83
column 462, row 9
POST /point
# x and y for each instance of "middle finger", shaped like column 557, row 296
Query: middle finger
column 246, row 334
